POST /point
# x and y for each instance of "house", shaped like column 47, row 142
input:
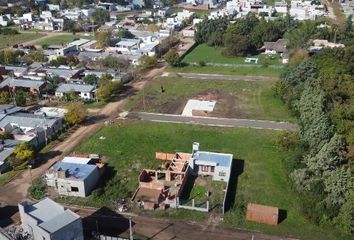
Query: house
column 51, row 112
column 84, row 91
column 4, row 20
column 161, row 188
column 26, row 126
column 67, row 50
column 319, row 44
column 128, row 45
column 30, row 85
column 281, row 7
column 7, row 147
column 66, row 73
column 48, row 220
column 217, row 165
column 74, row 175
column 275, row 47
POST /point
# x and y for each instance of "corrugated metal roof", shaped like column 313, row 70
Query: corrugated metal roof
column 64, row 88
column 221, row 159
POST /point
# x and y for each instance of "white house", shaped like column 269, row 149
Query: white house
column 47, row 220
column 4, row 20
column 217, row 165
column 84, row 91
column 128, row 45
column 73, row 176
column 281, row 7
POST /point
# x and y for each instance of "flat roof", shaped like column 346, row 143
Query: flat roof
column 221, row 159
column 79, row 42
column 79, row 160
column 126, row 43
column 76, row 170
column 67, row 87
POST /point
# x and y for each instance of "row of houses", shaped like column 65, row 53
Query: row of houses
column 36, row 127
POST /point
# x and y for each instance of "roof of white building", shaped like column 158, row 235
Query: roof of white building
column 79, row 160
column 76, row 171
column 68, row 87
column 212, row 158
column 57, row 219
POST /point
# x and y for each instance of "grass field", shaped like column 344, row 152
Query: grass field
column 243, row 71
column 57, row 40
column 235, row 99
column 213, row 55
column 129, row 147
column 10, row 40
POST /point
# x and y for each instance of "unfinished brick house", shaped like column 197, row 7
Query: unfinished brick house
column 160, row 188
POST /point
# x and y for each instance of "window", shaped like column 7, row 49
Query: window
column 212, row 169
column 222, row 174
column 204, row 168
column 74, row 189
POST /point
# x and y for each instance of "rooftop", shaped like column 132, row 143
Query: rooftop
column 57, row 219
column 64, row 88
column 76, row 170
column 220, row 159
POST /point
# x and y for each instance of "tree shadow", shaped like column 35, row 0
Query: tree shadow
column 6, row 213
column 283, row 214
column 42, row 158
column 105, row 222
column 236, row 171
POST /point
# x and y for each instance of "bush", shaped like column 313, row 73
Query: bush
column 201, row 63
column 38, row 189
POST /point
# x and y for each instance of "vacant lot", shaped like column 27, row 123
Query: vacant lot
column 130, row 147
column 213, row 55
column 57, row 40
column 235, row 99
column 10, row 40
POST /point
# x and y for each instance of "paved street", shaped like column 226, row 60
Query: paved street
column 210, row 76
column 212, row 121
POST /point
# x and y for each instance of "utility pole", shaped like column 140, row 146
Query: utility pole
column 30, row 173
column 144, row 99
column 130, row 229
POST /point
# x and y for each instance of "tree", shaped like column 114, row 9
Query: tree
column 125, row 33
column 173, row 58
column 100, row 16
column 345, row 218
column 103, row 39
column 153, row 28
column 24, row 151
column 91, row 79
column 20, row 98
column 5, row 97
column 75, row 114
column 71, row 96
column 106, row 88
column 348, row 29
column 235, row 44
column 147, row 62
column 36, row 56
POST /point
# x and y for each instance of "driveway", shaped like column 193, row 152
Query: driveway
column 213, row 121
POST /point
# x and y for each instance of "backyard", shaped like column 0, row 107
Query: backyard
column 213, row 55
column 234, row 99
column 130, row 146
column 10, row 40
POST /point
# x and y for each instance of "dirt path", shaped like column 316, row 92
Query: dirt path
column 210, row 76
column 16, row 190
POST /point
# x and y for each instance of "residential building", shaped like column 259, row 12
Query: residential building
column 47, row 220
column 319, row 44
column 275, row 47
column 7, row 147
column 128, row 45
column 26, row 126
column 30, row 85
column 75, row 176
column 84, row 91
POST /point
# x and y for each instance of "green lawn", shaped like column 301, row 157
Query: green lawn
column 243, row 71
column 129, row 147
column 57, row 40
column 213, row 55
column 10, row 40
column 235, row 99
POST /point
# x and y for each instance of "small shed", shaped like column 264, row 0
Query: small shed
column 262, row 214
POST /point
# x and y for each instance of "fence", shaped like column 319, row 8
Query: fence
column 193, row 206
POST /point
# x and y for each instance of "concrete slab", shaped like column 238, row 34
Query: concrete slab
column 194, row 104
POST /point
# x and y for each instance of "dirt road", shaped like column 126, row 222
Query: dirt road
column 16, row 190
